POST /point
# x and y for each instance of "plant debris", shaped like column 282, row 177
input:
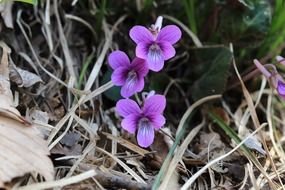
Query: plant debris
column 203, row 94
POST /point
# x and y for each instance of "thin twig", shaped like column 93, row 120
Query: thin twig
column 109, row 180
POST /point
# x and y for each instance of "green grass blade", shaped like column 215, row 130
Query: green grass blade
column 170, row 154
column 84, row 69
column 189, row 6
column 34, row 2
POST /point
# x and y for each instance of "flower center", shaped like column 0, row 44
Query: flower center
column 132, row 77
column 154, row 51
column 143, row 122
column 144, row 125
column 154, row 48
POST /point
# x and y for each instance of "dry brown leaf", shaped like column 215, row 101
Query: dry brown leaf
column 160, row 147
column 209, row 142
column 22, row 150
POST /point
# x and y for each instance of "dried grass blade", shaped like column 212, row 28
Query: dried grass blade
column 98, row 64
column 33, row 51
column 256, row 124
column 181, row 128
column 127, row 144
column 60, row 183
column 68, row 58
column 179, row 154
column 191, row 180
column 127, row 168
column 72, row 110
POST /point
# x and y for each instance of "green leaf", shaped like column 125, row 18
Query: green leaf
column 34, row 2
column 213, row 71
column 276, row 34
column 189, row 6
column 158, row 82
column 258, row 16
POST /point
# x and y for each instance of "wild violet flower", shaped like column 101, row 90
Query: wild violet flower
column 155, row 45
column 129, row 75
column 275, row 80
column 144, row 120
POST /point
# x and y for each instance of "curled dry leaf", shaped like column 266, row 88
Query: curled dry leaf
column 24, row 78
column 22, row 150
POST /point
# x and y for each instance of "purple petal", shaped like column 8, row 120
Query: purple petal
column 279, row 58
column 140, row 84
column 170, row 33
column 281, row 88
column 119, row 76
column 140, row 66
column 141, row 34
column 155, row 103
column 156, row 119
column 145, row 135
column 150, row 93
column 155, row 60
column 167, row 50
column 118, row 59
column 126, row 107
column 142, row 50
column 130, row 123
column 134, row 83
column 128, row 89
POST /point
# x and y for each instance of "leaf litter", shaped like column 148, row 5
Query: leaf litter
column 22, row 148
column 73, row 135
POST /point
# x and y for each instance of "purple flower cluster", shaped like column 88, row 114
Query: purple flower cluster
column 271, row 73
column 154, row 47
